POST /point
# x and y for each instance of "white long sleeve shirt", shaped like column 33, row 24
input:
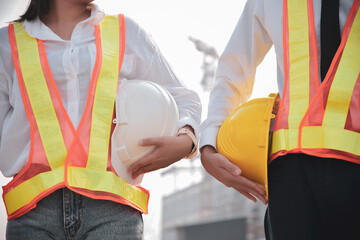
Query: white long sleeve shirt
column 258, row 29
column 71, row 63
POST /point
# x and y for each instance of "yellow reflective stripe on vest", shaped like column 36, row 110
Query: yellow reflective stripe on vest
column 105, row 94
column 331, row 138
column 299, row 82
column 95, row 177
column 284, row 139
column 298, row 61
column 332, row 134
column 107, row 182
column 39, row 97
column 345, row 79
column 27, row 191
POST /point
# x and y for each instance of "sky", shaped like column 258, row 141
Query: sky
column 170, row 23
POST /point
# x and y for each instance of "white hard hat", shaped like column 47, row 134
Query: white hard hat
column 143, row 110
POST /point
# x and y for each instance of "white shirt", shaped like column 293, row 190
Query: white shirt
column 259, row 27
column 71, row 63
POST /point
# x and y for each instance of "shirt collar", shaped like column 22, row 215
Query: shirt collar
column 37, row 29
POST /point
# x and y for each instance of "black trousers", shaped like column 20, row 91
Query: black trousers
column 313, row 198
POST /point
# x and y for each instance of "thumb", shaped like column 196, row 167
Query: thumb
column 230, row 167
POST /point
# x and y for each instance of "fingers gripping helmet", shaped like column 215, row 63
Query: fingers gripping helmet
column 244, row 137
column 143, row 109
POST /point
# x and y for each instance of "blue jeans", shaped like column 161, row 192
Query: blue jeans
column 67, row 215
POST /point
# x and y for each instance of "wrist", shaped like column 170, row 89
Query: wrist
column 189, row 133
column 186, row 141
column 208, row 149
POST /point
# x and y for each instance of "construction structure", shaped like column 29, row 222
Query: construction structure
column 210, row 210
column 210, row 57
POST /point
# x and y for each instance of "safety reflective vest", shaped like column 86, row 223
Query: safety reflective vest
column 60, row 155
column 318, row 119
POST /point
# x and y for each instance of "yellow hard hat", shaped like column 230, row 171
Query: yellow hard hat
column 243, row 138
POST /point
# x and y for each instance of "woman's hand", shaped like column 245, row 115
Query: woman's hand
column 168, row 151
column 229, row 174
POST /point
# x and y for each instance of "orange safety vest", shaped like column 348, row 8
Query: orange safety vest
column 318, row 119
column 60, row 155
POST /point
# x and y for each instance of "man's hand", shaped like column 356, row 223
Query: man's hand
column 229, row 174
column 168, row 151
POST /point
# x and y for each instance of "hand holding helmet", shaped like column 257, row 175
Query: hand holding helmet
column 143, row 110
column 244, row 139
column 230, row 175
column 168, row 150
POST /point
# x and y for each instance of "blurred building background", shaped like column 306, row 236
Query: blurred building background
column 209, row 210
